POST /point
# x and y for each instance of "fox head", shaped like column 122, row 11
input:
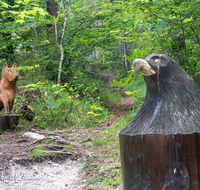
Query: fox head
column 11, row 74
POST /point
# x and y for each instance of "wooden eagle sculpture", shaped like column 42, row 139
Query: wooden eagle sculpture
column 172, row 102
column 160, row 147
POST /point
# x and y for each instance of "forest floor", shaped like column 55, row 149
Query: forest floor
column 21, row 170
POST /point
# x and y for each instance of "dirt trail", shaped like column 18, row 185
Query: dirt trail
column 119, row 110
column 17, row 173
column 43, row 176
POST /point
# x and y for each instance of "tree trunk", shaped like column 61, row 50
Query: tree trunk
column 125, row 60
column 160, row 148
column 52, row 10
column 8, row 122
column 62, row 41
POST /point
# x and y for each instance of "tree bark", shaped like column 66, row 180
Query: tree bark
column 62, row 40
column 125, row 60
column 52, row 10
column 8, row 122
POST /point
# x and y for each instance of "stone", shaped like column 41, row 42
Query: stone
column 33, row 136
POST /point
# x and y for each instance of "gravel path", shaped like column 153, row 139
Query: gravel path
column 42, row 176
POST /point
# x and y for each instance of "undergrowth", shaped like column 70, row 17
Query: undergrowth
column 84, row 103
column 109, row 174
column 80, row 102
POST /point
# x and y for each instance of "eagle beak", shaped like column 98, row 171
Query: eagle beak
column 143, row 66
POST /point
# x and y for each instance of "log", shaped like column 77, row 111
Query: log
column 8, row 121
column 160, row 148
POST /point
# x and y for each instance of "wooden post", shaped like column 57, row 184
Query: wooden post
column 160, row 162
column 160, row 148
column 8, row 121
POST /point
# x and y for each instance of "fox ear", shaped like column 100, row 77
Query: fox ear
column 14, row 66
column 5, row 66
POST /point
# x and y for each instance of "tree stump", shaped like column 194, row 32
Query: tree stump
column 8, row 121
column 160, row 148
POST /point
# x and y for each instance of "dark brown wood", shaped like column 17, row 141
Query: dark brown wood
column 8, row 121
column 160, row 162
column 160, row 148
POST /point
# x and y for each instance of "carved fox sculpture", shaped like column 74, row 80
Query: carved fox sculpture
column 8, row 82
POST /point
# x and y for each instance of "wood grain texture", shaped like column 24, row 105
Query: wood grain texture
column 160, row 162
column 171, row 110
column 160, row 148
column 8, row 121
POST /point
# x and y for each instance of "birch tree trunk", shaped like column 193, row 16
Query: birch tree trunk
column 60, row 45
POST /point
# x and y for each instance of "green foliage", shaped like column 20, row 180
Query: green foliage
column 67, row 109
column 101, row 34
column 96, row 33
column 138, row 88
column 81, row 86
column 197, row 76
column 37, row 153
column 109, row 136
column 126, row 81
column 117, row 180
column 18, row 127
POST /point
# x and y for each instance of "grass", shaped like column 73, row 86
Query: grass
column 41, row 153
column 105, row 170
column 37, row 153
column 1, row 138
column 67, row 110
column 102, row 169
column 82, row 108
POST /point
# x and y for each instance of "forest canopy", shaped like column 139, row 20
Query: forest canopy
column 94, row 35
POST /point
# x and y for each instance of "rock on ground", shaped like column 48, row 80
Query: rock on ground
column 42, row 176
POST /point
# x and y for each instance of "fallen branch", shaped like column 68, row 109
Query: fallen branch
column 85, row 140
column 62, row 141
column 41, row 140
column 49, row 146
column 57, row 152
column 22, row 140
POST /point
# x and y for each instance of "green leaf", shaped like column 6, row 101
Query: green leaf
column 20, row 21
column 56, row 92
column 3, row 4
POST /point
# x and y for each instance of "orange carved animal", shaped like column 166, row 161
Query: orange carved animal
column 8, row 82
